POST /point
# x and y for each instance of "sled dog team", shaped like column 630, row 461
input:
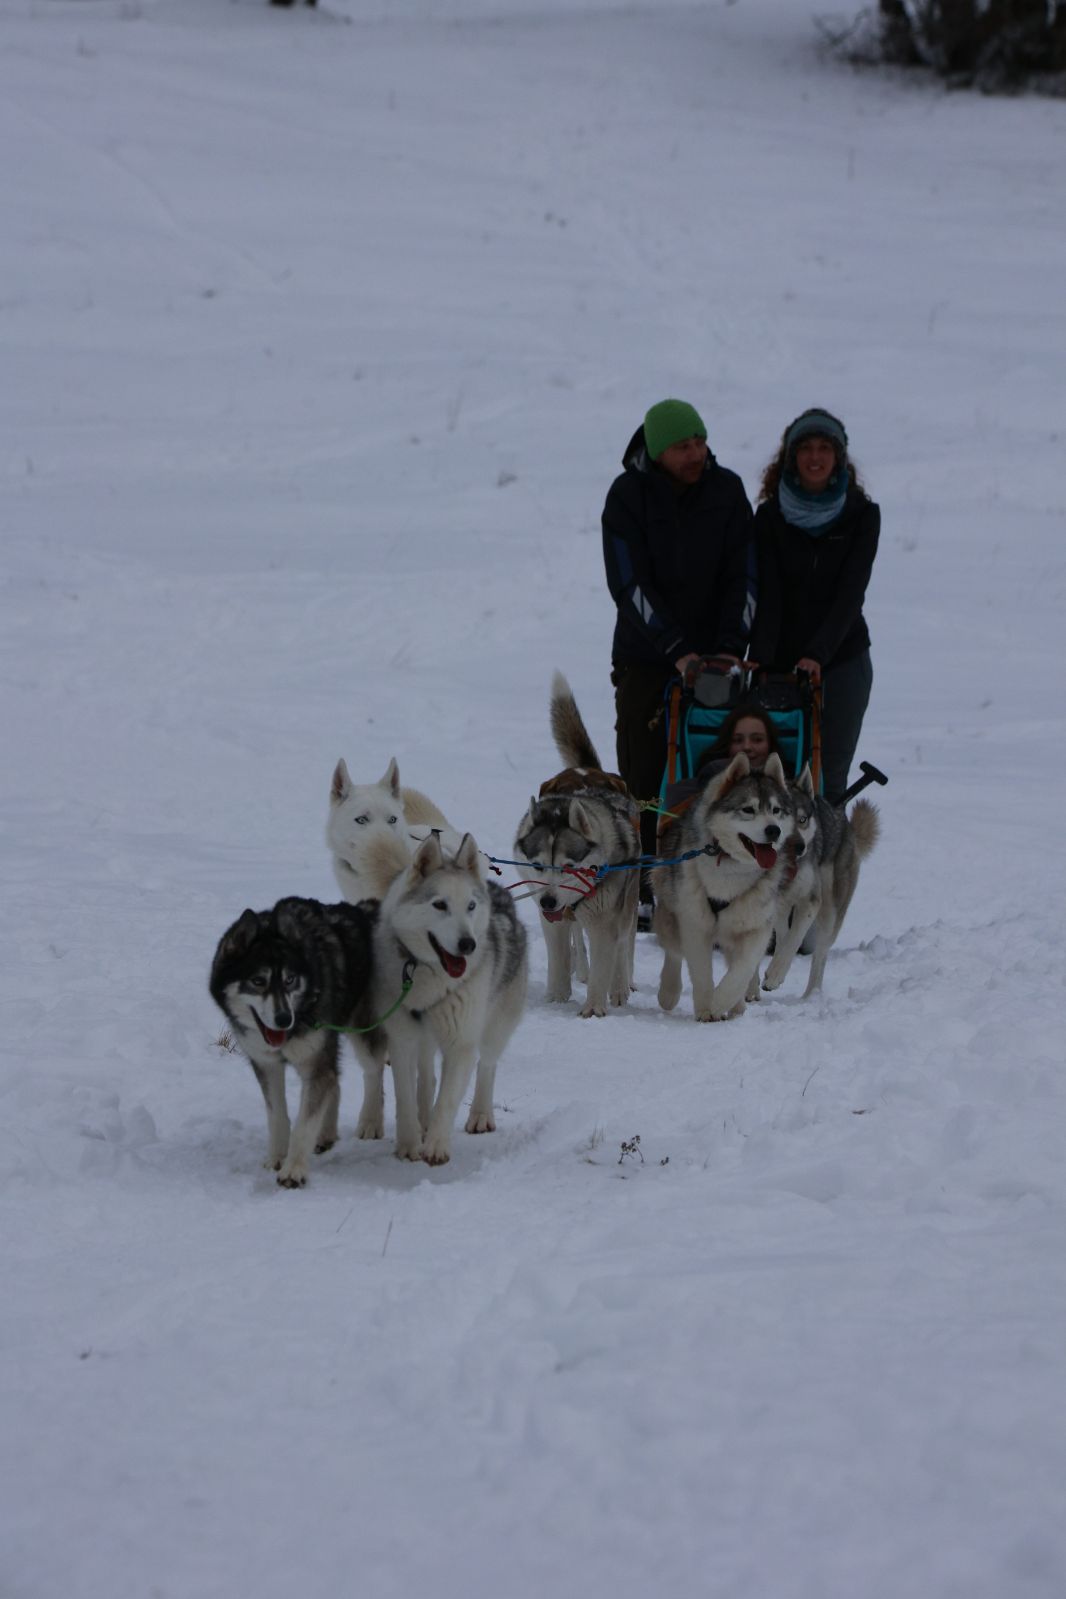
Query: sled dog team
column 426, row 960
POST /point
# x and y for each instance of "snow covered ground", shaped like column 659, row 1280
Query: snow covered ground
column 323, row 334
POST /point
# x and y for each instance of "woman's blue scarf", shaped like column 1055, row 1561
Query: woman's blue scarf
column 811, row 512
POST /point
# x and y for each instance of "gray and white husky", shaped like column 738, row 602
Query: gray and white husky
column 458, row 941
column 284, row 978
column 725, row 896
column 840, row 844
column 361, row 814
column 800, row 894
column 583, row 818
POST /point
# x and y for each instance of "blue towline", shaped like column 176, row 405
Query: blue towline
column 640, row 862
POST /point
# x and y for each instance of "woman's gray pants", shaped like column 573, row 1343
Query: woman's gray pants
column 845, row 696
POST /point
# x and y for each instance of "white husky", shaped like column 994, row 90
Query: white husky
column 361, row 814
column 459, row 943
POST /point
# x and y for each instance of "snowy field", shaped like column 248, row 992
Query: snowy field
column 323, row 334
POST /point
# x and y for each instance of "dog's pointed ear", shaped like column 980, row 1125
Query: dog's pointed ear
column 468, row 856
column 290, row 917
column 805, row 780
column 580, row 820
column 774, row 769
column 719, row 786
column 341, row 786
column 240, row 937
column 428, row 857
column 391, row 779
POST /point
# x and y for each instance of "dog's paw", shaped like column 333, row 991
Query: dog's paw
column 370, row 1127
column 292, row 1177
column 323, row 1145
column 669, row 994
column 592, row 1010
column 557, row 996
column 771, row 981
column 720, row 1015
column 435, row 1152
column 482, row 1123
column 621, row 997
column 408, row 1149
column 272, row 1162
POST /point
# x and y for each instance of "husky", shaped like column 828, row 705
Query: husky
column 724, row 895
column 800, row 895
column 289, row 980
column 584, row 818
column 453, row 947
column 361, row 812
column 840, row 845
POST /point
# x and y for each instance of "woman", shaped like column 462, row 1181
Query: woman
column 816, row 533
column 747, row 730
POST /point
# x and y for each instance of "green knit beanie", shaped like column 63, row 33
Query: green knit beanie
column 668, row 423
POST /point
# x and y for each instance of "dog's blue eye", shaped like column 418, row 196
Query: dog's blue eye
column 362, row 820
column 290, row 980
column 392, row 821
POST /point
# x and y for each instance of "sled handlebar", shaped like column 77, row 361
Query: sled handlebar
column 870, row 774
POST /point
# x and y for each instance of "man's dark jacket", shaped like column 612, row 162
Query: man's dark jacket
column 811, row 589
column 677, row 561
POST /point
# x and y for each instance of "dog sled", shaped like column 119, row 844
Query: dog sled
column 699, row 703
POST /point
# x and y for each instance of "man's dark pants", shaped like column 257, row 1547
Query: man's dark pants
column 640, row 726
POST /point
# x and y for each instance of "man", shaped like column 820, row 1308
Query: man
column 677, row 548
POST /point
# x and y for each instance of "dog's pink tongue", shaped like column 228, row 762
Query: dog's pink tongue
column 766, row 856
column 274, row 1038
column 552, row 916
column 454, row 965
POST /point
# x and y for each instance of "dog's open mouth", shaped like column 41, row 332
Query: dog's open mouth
column 274, row 1036
column 454, row 965
column 765, row 854
column 552, row 916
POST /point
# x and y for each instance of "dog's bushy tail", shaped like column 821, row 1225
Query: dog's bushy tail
column 420, row 811
column 866, row 826
column 386, row 857
column 568, row 730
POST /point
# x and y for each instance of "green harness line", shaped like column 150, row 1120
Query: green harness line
column 407, row 982
column 653, row 805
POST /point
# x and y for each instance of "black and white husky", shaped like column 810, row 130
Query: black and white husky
column 724, row 896
column 458, row 942
column 583, row 819
column 285, row 978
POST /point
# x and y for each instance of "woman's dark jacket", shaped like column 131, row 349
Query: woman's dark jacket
column 810, row 590
column 677, row 561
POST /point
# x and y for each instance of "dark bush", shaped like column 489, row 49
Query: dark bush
column 995, row 44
